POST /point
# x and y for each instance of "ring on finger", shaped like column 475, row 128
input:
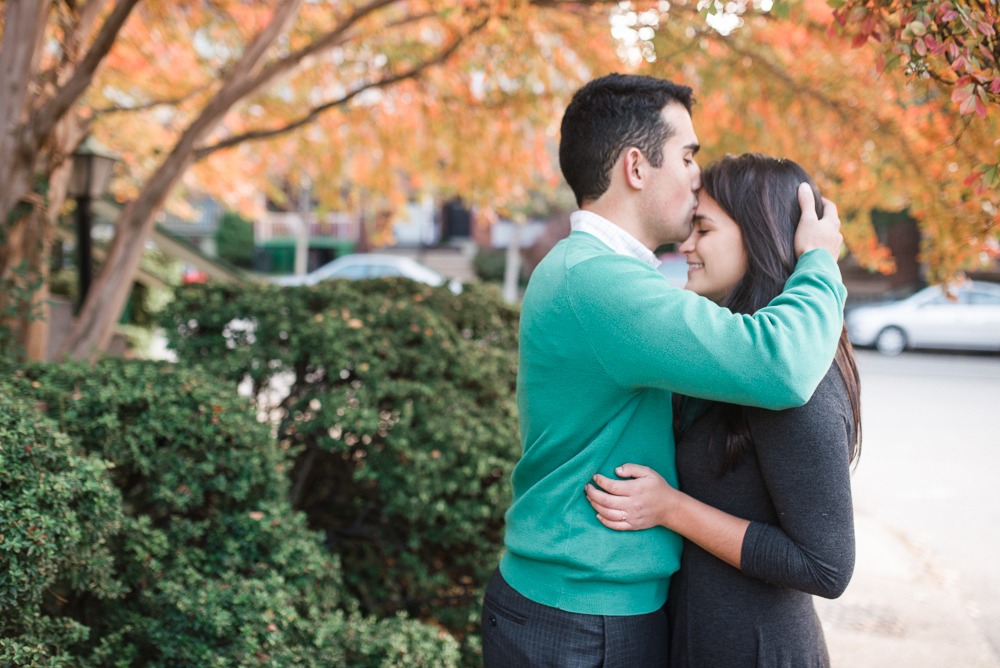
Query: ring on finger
column 623, row 516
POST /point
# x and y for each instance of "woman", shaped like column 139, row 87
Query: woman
column 764, row 502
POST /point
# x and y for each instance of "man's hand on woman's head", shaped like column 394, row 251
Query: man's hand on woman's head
column 647, row 500
column 814, row 232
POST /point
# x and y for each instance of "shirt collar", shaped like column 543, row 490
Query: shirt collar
column 613, row 236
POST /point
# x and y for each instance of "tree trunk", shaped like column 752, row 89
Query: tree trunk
column 93, row 329
column 33, row 335
column 37, row 135
column 20, row 55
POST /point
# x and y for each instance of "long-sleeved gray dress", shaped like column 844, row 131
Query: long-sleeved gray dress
column 794, row 487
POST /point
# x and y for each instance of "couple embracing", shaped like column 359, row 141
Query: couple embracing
column 684, row 485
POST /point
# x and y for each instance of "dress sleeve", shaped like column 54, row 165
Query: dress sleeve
column 647, row 333
column 803, row 455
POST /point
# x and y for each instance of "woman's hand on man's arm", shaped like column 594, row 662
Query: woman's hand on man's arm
column 644, row 501
column 647, row 500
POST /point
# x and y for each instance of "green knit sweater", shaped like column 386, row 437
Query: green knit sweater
column 604, row 340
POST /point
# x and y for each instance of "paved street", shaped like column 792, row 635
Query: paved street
column 926, row 590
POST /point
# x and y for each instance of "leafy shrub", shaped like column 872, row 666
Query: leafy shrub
column 489, row 264
column 215, row 567
column 58, row 512
column 234, row 240
column 401, row 417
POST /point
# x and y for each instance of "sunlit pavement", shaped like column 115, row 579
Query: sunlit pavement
column 926, row 589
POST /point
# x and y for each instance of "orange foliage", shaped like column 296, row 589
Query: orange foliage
column 485, row 124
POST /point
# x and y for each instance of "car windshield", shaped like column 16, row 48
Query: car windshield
column 352, row 271
column 904, row 292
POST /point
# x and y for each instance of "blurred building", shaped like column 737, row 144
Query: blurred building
column 200, row 229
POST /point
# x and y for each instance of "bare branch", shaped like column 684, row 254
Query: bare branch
column 66, row 96
column 155, row 103
column 334, row 38
column 413, row 18
column 317, row 111
column 887, row 126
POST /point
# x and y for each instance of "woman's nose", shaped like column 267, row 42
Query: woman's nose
column 687, row 246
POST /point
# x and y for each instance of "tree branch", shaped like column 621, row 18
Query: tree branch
column 887, row 126
column 334, row 38
column 68, row 94
column 317, row 111
column 155, row 103
column 412, row 18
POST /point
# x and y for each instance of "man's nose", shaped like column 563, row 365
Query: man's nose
column 696, row 181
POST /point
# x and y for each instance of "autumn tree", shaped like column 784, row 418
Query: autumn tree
column 371, row 102
column 38, row 130
column 216, row 75
column 953, row 43
column 785, row 80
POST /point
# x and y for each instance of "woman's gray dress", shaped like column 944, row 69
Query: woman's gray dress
column 794, row 487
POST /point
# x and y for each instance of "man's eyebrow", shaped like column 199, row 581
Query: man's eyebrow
column 694, row 148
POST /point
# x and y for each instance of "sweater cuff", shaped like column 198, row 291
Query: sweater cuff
column 819, row 260
column 748, row 553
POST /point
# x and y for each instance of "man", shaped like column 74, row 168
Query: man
column 604, row 340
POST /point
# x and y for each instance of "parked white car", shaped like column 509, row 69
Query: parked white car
column 967, row 318
column 371, row 265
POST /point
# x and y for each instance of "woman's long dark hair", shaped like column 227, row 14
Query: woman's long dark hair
column 760, row 193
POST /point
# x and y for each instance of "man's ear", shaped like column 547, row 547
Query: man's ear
column 634, row 165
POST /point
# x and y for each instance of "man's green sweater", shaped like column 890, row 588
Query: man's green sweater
column 604, row 341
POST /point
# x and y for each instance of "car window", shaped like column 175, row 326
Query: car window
column 943, row 300
column 352, row 271
column 986, row 298
column 383, row 270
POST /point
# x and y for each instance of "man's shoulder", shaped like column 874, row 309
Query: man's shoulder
column 585, row 253
column 577, row 248
column 584, row 266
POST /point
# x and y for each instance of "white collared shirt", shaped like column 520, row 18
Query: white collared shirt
column 615, row 237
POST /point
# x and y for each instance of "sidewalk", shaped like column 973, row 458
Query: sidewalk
column 901, row 609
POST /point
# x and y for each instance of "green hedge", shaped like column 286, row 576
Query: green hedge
column 401, row 419
column 58, row 512
column 205, row 563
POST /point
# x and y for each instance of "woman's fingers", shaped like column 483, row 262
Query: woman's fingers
column 612, row 514
column 595, row 495
column 617, row 526
column 634, row 471
column 615, row 487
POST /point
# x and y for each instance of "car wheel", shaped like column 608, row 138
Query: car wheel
column 891, row 341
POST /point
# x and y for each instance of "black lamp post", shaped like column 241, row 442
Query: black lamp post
column 92, row 165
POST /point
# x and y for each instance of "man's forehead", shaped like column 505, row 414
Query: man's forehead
column 678, row 118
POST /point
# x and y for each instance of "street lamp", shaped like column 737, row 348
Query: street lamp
column 92, row 165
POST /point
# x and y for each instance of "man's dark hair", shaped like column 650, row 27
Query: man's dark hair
column 607, row 116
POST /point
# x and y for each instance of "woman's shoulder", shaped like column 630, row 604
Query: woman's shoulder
column 830, row 403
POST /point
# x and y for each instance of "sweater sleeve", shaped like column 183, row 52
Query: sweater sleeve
column 803, row 457
column 647, row 333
